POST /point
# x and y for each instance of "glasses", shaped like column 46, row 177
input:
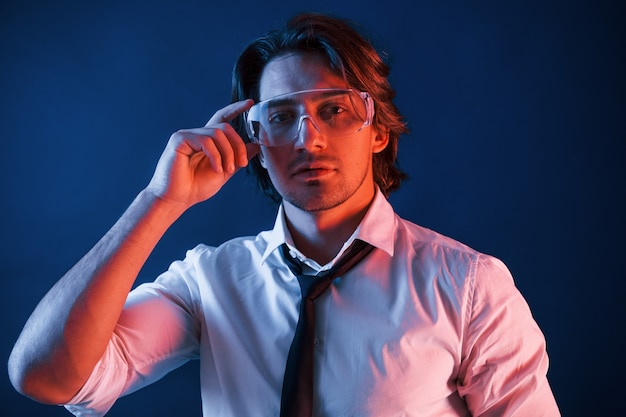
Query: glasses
column 332, row 112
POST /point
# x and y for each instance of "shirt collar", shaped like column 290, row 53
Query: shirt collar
column 278, row 235
column 377, row 228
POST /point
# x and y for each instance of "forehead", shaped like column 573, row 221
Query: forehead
column 296, row 72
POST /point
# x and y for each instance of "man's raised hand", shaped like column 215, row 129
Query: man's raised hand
column 196, row 163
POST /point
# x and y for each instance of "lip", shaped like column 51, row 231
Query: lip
column 308, row 171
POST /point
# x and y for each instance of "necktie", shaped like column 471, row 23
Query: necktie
column 297, row 393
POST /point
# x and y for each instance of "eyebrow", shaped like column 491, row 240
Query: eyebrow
column 276, row 102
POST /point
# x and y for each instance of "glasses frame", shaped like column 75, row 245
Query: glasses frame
column 365, row 96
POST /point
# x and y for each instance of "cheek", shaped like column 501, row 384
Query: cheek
column 357, row 154
column 272, row 159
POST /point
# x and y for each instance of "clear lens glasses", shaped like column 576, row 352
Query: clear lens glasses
column 332, row 112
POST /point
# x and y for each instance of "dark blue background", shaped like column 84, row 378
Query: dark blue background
column 517, row 114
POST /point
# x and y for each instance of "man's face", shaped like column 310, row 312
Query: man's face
column 316, row 172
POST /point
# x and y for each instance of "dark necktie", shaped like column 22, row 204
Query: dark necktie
column 297, row 393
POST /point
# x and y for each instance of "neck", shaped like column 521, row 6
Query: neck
column 319, row 235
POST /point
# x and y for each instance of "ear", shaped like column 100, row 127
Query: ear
column 380, row 140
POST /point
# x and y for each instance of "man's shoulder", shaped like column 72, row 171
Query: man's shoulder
column 423, row 237
column 435, row 251
column 233, row 247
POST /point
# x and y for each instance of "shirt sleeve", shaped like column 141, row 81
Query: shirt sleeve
column 504, row 362
column 157, row 332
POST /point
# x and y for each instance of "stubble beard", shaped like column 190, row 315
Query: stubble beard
column 315, row 199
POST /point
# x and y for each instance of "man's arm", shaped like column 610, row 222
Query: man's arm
column 70, row 328
column 504, row 366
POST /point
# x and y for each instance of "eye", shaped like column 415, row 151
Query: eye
column 280, row 117
column 333, row 111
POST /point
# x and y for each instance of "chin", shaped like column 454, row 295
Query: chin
column 316, row 201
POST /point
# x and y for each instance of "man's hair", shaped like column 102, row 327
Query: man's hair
column 349, row 55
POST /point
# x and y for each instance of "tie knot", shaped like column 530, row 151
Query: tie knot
column 312, row 286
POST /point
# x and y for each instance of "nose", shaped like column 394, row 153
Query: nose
column 309, row 135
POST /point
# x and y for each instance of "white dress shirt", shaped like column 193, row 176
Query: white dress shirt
column 424, row 326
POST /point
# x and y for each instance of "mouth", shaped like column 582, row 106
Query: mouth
column 311, row 171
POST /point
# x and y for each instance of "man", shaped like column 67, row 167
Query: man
column 421, row 325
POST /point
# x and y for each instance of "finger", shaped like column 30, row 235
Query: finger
column 226, row 145
column 196, row 143
column 229, row 112
column 210, row 150
column 228, row 142
column 232, row 152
